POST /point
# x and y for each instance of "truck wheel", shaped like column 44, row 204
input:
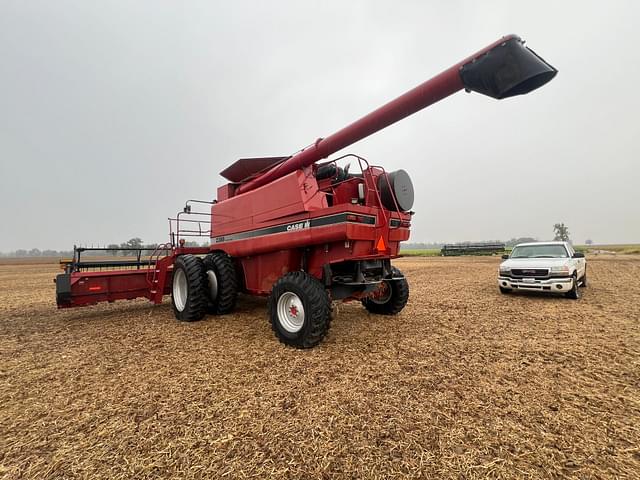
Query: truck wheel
column 505, row 290
column 188, row 289
column 391, row 298
column 574, row 293
column 583, row 282
column 299, row 310
column 221, row 283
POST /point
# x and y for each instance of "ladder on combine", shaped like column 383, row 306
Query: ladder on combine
column 158, row 270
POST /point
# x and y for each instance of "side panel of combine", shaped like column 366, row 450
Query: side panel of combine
column 292, row 194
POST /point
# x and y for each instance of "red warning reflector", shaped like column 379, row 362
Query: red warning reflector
column 95, row 289
column 381, row 247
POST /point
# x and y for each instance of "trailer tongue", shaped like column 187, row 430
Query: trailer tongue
column 302, row 232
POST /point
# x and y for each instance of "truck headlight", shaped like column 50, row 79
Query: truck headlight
column 504, row 269
column 560, row 269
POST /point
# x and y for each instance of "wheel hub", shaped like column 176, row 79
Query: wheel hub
column 383, row 294
column 213, row 284
column 180, row 289
column 290, row 312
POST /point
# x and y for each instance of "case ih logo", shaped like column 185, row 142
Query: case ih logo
column 298, row 226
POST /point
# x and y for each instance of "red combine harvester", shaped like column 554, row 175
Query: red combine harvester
column 302, row 232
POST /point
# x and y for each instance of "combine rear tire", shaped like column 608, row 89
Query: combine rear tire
column 188, row 289
column 391, row 298
column 221, row 283
column 299, row 310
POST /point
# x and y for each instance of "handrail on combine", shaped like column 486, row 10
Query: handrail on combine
column 154, row 258
column 77, row 264
column 177, row 233
column 369, row 184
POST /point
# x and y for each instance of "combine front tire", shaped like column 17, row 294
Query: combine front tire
column 299, row 310
column 391, row 298
column 188, row 289
column 221, row 283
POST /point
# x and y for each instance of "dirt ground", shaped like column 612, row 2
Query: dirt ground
column 464, row 383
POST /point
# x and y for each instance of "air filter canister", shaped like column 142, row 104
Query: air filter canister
column 398, row 186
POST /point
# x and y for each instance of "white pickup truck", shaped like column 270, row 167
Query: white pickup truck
column 553, row 267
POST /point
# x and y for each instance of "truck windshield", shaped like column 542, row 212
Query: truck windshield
column 539, row 251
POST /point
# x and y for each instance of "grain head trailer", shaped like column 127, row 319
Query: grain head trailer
column 301, row 229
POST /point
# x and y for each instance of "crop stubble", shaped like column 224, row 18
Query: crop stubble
column 465, row 383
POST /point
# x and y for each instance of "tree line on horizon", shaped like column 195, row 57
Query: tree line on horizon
column 116, row 249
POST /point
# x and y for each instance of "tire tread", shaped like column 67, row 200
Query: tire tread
column 317, row 304
column 398, row 300
column 574, row 293
column 225, row 271
column 196, row 299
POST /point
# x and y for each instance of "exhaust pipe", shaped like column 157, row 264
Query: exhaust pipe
column 507, row 70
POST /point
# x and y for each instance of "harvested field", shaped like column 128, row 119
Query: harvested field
column 465, row 383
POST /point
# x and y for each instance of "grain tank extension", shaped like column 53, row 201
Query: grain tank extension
column 304, row 230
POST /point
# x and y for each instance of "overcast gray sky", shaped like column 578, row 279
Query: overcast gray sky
column 113, row 113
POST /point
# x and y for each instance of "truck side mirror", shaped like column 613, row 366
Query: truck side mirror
column 578, row 255
column 505, row 257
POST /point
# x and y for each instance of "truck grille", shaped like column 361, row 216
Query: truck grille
column 530, row 272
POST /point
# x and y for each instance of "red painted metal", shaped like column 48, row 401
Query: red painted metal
column 442, row 85
column 89, row 288
column 269, row 229
column 152, row 282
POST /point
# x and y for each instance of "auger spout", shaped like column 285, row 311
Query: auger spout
column 503, row 69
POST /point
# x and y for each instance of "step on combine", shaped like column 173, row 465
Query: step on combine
column 300, row 229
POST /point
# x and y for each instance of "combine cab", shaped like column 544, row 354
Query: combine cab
column 300, row 229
